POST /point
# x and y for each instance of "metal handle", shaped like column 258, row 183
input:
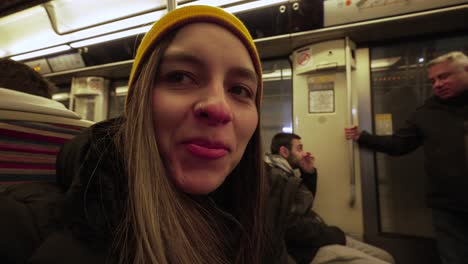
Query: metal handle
column 171, row 5
column 350, row 122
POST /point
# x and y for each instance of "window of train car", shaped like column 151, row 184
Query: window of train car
column 398, row 74
column 277, row 100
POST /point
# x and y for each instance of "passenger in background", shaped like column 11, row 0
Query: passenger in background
column 178, row 178
column 20, row 77
column 441, row 125
column 289, row 168
column 287, row 153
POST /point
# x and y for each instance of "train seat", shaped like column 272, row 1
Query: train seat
column 32, row 130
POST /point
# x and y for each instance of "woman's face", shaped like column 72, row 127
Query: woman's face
column 204, row 110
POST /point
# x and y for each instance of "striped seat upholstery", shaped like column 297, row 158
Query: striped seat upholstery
column 32, row 130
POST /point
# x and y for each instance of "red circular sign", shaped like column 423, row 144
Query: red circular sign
column 303, row 58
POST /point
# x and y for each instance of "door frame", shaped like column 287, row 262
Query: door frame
column 405, row 249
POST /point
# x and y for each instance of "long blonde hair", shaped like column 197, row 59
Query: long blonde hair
column 162, row 224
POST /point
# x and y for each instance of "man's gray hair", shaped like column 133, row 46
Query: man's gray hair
column 456, row 57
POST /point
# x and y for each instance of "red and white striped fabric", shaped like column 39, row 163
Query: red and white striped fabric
column 32, row 130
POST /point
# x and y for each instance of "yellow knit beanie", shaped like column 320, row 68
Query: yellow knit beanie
column 192, row 14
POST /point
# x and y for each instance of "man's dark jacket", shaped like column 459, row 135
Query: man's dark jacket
column 442, row 127
column 305, row 231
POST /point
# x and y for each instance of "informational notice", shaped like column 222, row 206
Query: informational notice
column 321, row 94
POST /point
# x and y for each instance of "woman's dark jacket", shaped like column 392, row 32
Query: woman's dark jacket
column 89, row 170
column 92, row 194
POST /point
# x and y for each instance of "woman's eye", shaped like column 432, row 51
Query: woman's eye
column 178, row 77
column 241, row 91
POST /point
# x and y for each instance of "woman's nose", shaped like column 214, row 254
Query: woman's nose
column 214, row 111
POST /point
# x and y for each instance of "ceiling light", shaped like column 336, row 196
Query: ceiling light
column 118, row 25
column 109, row 37
column 40, row 53
column 384, row 62
column 74, row 15
column 61, row 96
column 211, row 2
column 252, row 5
column 38, row 39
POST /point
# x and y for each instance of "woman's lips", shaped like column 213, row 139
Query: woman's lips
column 206, row 152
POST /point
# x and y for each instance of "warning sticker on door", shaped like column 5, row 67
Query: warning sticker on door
column 383, row 124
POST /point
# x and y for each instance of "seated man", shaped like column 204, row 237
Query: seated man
column 288, row 155
column 293, row 179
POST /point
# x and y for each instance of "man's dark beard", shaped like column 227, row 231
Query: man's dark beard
column 292, row 162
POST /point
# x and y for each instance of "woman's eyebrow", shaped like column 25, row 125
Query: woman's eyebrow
column 244, row 73
column 194, row 60
column 182, row 57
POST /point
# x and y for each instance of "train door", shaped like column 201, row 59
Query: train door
column 395, row 213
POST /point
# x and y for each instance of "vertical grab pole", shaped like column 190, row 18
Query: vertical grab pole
column 350, row 122
column 171, row 5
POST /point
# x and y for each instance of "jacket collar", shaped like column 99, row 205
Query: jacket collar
column 460, row 100
column 277, row 161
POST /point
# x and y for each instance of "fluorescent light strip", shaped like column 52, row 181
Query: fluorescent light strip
column 135, row 21
column 145, row 29
column 287, row 129
column 252, row 5
column 118, row 25
column 109, row 37
column 61, row 96
column 211, row 2
column 138, row 20
column 144, row 19
column 40, row 53
column 123, row 90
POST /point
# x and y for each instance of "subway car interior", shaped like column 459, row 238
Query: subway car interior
column 327, row 65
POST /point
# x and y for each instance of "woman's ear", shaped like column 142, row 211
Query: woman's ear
column 284, row 152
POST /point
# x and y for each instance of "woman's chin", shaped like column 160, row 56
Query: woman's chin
column 198, row 184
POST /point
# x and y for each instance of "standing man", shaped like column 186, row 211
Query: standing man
column 441, row 125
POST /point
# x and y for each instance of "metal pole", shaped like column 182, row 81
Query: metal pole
column 171, row 5
column 350, row 122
